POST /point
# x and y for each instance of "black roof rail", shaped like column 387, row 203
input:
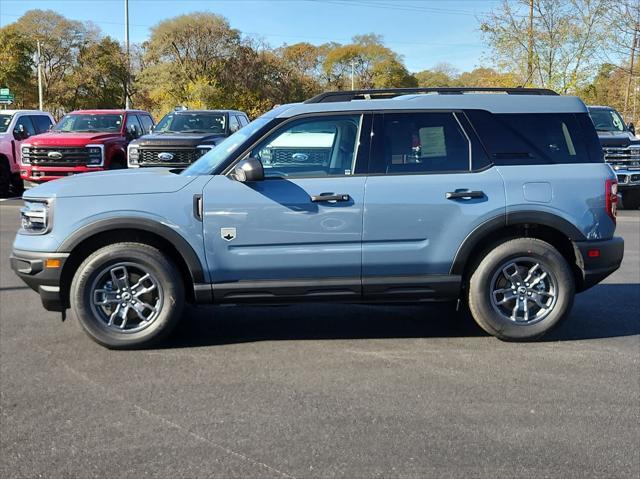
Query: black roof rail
column 348, row 95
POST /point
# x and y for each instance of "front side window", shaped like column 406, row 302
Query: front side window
column 27, row 124
column 88, row 122
column 191, row 122
column 41, row 122
column 147, row 123
column 313, row 147
column 421, row 143
column 132, row 121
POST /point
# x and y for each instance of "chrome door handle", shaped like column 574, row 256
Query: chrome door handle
column 463, row 195
column 330, row 197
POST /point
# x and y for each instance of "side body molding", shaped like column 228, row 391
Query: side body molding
column 512, row 219
column 184, row 248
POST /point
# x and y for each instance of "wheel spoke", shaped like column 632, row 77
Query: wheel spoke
column 531, row 271
column 536, row 281
column 526, row 309
column 120, row 277
column 140, row 287
column 140, row 307
column 124, row 315
column 507, row 295
column 512, row 274
column 105, row 297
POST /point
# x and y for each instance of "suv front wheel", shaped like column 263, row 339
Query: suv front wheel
column 521, row 289
column 127, row 295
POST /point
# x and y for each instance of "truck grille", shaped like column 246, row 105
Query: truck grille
column 184, row 156
column 42, row 156
column 627, row 157
column 280, row 156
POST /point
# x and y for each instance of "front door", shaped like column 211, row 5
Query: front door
column 297, row 233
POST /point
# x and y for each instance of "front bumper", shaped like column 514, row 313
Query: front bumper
column 31, row 267
column 628, row 178
column 38, row 174
column 598, row 259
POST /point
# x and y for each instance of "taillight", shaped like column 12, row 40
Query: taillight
column 611, row 198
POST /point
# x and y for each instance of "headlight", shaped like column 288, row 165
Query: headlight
column 36, row 217
column 26, row 159
column 134, row 155
column 95, row 155
column 203, row 149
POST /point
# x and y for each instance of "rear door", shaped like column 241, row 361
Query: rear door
column 298, row 232
column 429, row 187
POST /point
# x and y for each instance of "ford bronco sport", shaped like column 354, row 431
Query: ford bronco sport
column 621, row 151
column 366, row 196
column 83, row 141
column 183, row 136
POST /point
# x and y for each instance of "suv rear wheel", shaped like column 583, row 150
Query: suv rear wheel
column 127, row 295
column 521, row 289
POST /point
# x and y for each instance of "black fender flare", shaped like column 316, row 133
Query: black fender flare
column 515, row 218
column 143, row 224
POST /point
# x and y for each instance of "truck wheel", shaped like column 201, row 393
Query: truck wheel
column 521, row 289
column 127, row 295
column 17, row 185
column 5, row 180
column 631, row 200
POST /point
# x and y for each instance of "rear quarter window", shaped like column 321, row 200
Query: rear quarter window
column 536, row 138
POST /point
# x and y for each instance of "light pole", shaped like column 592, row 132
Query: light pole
column 352, row 77
column 40, row 103
column 126, row 46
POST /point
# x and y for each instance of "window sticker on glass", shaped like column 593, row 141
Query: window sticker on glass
column 432, row 144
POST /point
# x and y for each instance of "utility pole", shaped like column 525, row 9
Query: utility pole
column 40, row 103
column 631, row 64
column 530, row 46
column 352, row 75
column 126, row 45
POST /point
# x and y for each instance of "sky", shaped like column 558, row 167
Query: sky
column 424, row 32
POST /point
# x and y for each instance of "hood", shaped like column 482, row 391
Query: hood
column 54, row 138
column 616, row 138
column 176, row 139
column 114, row 182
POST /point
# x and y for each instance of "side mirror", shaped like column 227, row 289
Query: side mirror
column 233, row 128
column 632, row 128
column 249, row 170
column 20, row 133
column 132, row 131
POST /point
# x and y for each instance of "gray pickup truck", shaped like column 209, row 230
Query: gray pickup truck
column 621, row 150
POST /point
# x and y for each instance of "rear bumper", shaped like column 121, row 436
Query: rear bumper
column 31, row 267
column 38, row 174
column 598, row 259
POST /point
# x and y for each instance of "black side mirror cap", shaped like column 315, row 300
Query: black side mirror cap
column 632, row 128
column 248, row 170
column 20, row 133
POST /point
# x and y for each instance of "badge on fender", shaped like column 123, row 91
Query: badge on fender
column 228, row 234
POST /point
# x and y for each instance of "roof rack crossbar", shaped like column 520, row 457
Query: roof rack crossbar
column 349, row 95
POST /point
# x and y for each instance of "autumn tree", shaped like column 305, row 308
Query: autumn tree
column 562, row 40
column 16, row 65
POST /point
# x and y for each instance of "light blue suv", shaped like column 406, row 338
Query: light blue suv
column 402, row 195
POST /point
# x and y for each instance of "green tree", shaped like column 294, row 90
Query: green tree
column 16, row 66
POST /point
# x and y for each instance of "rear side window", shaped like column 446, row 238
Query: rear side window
column 532, row 138
column 421, row 143
column 243, row 120
column 41, row 123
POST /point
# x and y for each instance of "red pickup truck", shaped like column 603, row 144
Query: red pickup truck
column 83, row 141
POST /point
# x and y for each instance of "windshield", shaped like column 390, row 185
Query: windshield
column 209, row 162
column 90, row 122
column 607, row 120
column 5, row 120
column 191, row 123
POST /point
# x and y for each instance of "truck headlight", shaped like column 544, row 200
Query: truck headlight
column 25, row 157
column 203, row 149
column 35, row 217
column 133, row 155
column 95, row 155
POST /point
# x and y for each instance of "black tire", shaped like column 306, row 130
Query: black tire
column 17, row 185
column 135, row 260
column 117, row 165
column 491, row 277
column 5, row 180
column 631, row 199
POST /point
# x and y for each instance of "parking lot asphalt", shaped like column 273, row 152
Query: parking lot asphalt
column 324, row 391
